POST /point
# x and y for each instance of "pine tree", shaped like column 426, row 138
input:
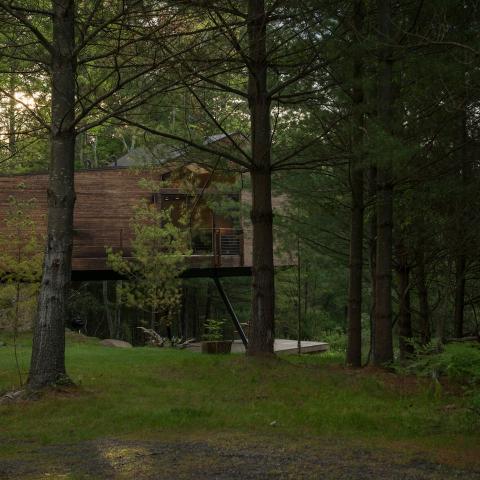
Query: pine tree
column 159, row 251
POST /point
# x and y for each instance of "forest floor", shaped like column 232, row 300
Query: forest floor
column 149, row 413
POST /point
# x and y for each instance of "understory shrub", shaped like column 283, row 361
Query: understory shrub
column 459, row 362
column 336, row 339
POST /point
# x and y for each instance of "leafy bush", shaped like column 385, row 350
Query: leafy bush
column 459, row 362
column 213, row 330
column 336, row 339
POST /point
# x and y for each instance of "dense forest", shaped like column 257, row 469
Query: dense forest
column 240, row 239
column 362, row 114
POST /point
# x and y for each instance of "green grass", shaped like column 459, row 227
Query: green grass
column 144, row 392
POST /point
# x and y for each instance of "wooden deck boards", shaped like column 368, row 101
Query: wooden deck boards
column 281, row 345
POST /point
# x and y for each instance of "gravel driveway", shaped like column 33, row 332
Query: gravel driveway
column 220, row 459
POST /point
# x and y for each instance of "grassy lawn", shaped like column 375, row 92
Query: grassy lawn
column 146, row 392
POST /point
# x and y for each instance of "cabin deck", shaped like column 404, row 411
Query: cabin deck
column 98, row 268
column 281, row 345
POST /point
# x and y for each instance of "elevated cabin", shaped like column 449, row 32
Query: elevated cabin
column 105, row 198
column 104, row 208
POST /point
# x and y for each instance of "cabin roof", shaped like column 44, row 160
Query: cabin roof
column 161, row 155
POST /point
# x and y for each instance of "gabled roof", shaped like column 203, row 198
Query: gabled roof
column 158, row 154
column 161, row 154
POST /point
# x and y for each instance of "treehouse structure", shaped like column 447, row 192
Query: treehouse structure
column 221, row 244
column 221, row 238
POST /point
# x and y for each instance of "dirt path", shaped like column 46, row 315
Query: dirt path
column 220, row 459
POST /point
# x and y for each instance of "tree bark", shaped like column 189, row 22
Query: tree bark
column 152, row 319
column 383, row 348
column 460, row 264
column 372, row 253
column 404, row 315
column 108, row 312
column 118, row 311
column 48, row 353
column 462, row 228
column 208, row 302
column 194, row 313
column 299, row 298
column 354, row 347
column 263, row 298
column 183, row 315
column 422, row 289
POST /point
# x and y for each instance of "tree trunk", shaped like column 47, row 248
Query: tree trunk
column 372, row 193
column 48, row 352
column 383, row 349
column 108, row 312
column 354, row 347
column 194, row 313
column 299, row 298
column 422, row 289
column 152, row 319
column 404, row 314
column 118, row 310
column 305, row 293
column 183, row 315
column 263, row 298
column 208, row 302
column 460, row 263
column 462, row 228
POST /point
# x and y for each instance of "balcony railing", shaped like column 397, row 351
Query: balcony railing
column 215, row 243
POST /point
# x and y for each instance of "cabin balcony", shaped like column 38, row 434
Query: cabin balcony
column 211, row 248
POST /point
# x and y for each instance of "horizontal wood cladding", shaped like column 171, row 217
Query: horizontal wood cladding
column 105, row 199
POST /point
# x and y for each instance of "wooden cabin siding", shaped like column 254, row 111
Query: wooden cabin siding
column 25, row 188
column 104, row 206
column 105, row 199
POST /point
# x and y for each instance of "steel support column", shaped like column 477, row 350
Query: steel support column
column 231, row 311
